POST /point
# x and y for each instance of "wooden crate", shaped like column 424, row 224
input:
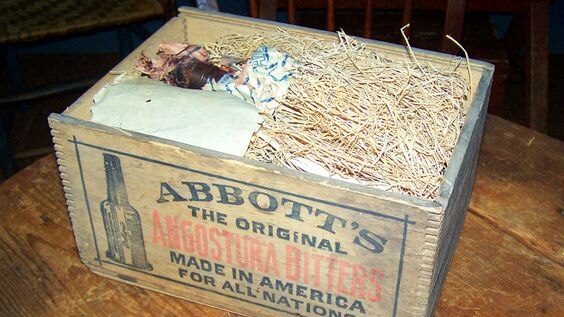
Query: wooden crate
column 256, row 239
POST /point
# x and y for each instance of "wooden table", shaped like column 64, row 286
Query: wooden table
column 509, row 261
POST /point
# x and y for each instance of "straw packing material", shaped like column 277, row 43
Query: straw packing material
column 354, row 115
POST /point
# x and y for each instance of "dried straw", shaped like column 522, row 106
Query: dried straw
column 391, row 124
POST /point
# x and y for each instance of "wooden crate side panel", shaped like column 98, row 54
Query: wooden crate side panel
column 295, row 245
column 466, row 152
column 428, row 262
column 457, row 188
column 69, row 171
column 443, row 228
column 450, row 235
column 459, row 198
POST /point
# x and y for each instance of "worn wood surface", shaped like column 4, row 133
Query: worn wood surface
column 510, row 255
column 508, row 261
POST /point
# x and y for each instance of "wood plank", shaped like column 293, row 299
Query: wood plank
column 520, row 188
column 455, row 212
column 494, row 274
column 509, row 258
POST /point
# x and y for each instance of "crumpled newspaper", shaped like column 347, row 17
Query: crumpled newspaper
column 266, row 79
column 262, row 81
column 169, row 56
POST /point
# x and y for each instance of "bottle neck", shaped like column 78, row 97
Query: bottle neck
column 114, row 180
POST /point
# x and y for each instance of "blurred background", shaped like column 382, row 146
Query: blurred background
column 52, row 50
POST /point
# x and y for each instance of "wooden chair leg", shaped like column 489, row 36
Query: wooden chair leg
column 169, row 8
column 368, row 20
column 253, row 8
column 267, row 9
column 454, row 23
column 292, row 11
column 331, row 15
column 406, row 18
column 536, row 65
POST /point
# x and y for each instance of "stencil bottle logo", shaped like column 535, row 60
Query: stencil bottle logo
column 121, row 220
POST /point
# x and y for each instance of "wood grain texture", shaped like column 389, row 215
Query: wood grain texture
column 520, row 190
column 514, row 227
column 502, row 266
column 494, row 274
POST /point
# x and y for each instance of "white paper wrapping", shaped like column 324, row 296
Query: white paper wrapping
column 214, row 120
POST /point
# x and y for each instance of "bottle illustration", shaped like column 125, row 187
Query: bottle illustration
column 121, row 220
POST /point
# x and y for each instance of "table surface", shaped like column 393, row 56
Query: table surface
column 509, row 260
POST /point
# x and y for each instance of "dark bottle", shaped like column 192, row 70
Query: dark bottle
column 195, row 74
column 121, row 221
